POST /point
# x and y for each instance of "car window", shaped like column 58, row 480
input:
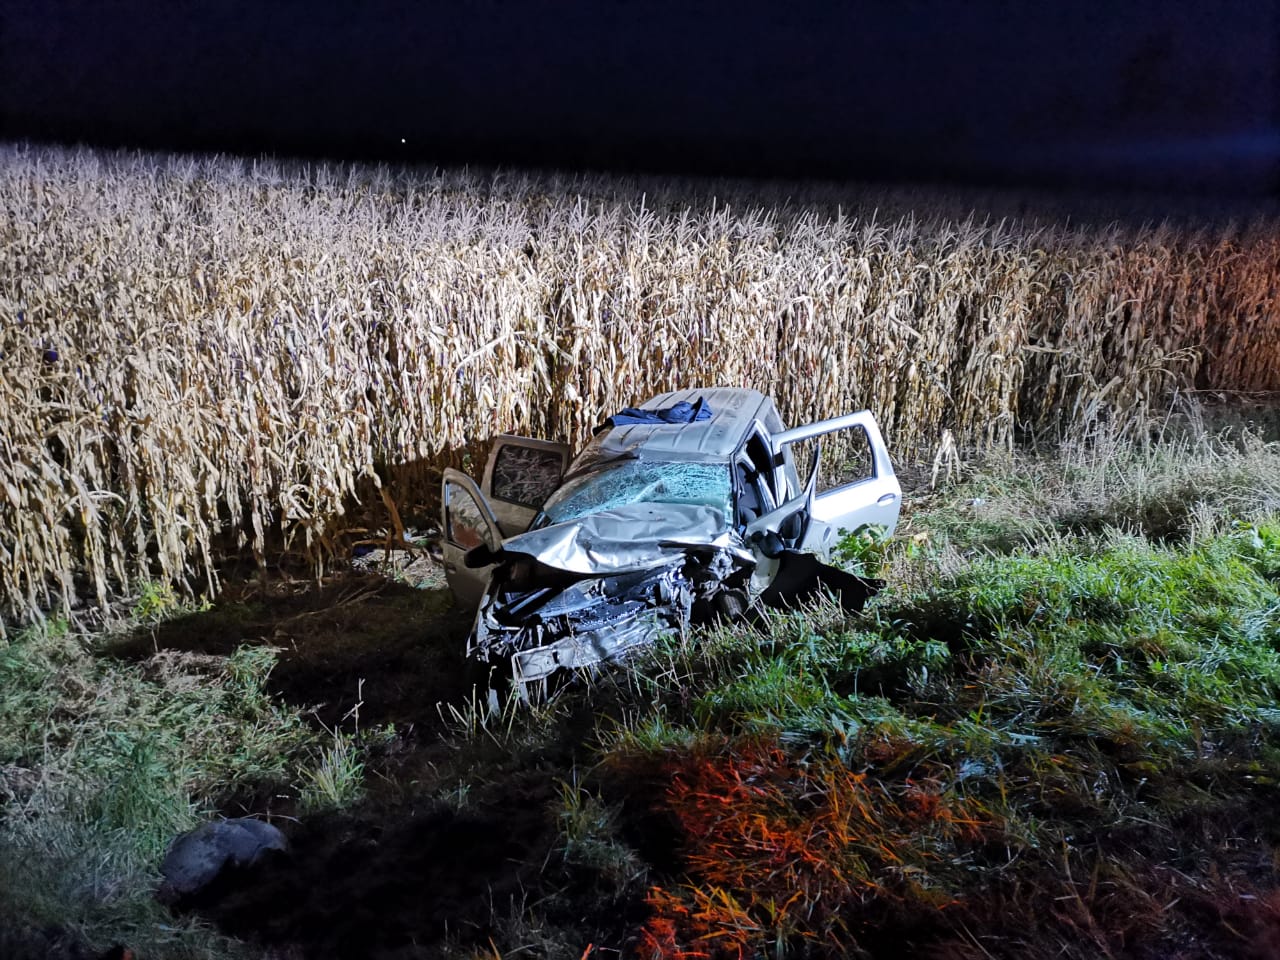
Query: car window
column 846, row 458
column 465, row 524
column 639, row 481
column 525, row 475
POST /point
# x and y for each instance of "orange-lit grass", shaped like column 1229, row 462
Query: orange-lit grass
column 804, row 857
column 788, row 850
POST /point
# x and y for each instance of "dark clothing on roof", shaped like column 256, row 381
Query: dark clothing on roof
column 682, row 412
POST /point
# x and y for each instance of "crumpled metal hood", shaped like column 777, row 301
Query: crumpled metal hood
column 635, row 537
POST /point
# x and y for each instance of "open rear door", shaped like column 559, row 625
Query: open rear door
column 851, row 483
column 521, row 474
column 467, row 522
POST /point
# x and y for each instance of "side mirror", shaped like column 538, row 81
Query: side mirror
column 769, row 543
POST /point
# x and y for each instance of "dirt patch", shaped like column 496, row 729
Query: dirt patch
column 416, row 877
column 358, row 641
column 377, row 885
column 452, row 840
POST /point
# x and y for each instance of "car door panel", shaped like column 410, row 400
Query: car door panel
column 849, row 508
column 519, row 477
column 872, row 500
column 467, row 522
column 784, row 527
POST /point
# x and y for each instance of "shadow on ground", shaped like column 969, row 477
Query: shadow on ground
column 402, row 872
column 356, row 638
column 388, row 882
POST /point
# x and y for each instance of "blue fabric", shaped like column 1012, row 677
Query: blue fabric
column 682, row 412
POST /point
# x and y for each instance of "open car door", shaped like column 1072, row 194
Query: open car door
column 467, row 522
column 519, row 477
column 868, row 493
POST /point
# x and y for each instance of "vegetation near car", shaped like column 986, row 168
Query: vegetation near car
column 214, row 341
column 1054, row 734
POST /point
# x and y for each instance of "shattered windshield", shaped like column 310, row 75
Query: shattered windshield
column 639, row 481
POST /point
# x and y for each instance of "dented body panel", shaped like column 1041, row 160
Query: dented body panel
column 651, row 527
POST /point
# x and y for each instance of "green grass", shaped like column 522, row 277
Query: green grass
column 1090, row 691
column 1079, row 705
column 337, row 780
column 103, row 762
column 1055, row 733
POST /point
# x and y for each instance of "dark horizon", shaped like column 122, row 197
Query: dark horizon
column 1154, row 97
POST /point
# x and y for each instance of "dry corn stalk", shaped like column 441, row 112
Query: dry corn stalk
column 198, row 352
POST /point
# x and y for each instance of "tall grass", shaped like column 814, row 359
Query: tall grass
column 199, row 351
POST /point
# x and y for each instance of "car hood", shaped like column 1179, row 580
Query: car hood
column 638, row 536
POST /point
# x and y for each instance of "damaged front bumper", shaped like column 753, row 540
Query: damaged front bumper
column 541, row 624
column 581, row 593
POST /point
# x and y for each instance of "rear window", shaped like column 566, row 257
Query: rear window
column 638, row 481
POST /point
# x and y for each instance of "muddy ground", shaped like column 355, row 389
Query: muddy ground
column 384, row 636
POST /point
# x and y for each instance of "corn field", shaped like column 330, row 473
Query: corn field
column 206, row 353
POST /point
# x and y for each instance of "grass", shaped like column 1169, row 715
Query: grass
column 103, row 762
column 1106, row 705
column 1054, row 734
column 1038, row 742
column 337, row 780
column 1160, row 487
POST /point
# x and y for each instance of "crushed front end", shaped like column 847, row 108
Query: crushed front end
column 576, row 594
column 532, row 618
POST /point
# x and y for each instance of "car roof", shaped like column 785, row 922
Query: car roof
column 732, row 411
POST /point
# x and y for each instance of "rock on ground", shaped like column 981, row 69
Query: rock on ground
column 196, row 859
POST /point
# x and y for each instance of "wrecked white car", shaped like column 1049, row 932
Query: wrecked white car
column 688, row 507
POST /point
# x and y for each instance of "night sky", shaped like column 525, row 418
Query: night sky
column 1128, row 93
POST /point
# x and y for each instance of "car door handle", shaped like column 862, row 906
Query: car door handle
column 450, row 567
column 888, row 498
